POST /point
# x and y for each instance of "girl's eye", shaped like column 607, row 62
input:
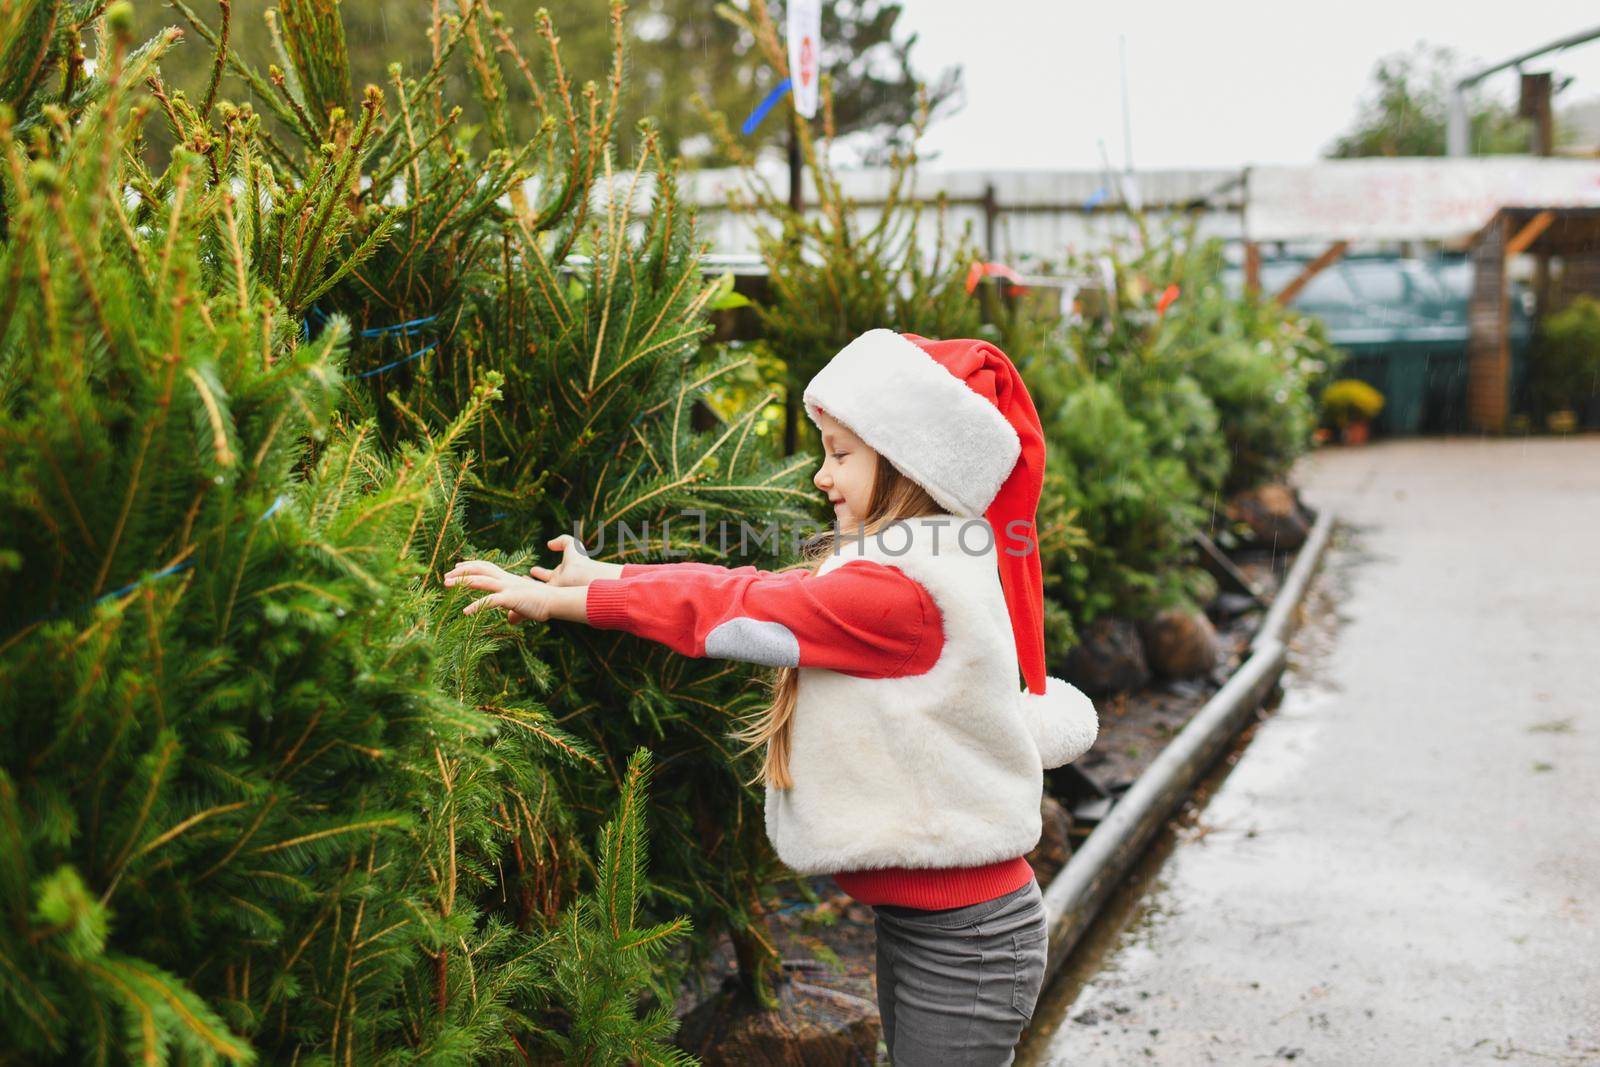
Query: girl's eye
column 840, row 455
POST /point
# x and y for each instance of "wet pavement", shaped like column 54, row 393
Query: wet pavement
column 1403, row 865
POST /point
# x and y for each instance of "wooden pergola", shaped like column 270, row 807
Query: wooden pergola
column 1571, row 233
column 1252, row 269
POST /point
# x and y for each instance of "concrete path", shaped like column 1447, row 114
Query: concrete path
column 1404, row 865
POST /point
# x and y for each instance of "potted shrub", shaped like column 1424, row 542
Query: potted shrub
column 1350, row 405
column 1566, row 364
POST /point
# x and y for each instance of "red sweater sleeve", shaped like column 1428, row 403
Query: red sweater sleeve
column 634, row 570
column 862, row 618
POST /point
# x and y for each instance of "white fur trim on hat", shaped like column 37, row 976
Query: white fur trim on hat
column 906, row 406
column 1063, row 720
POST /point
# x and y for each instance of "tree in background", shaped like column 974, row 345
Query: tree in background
column 691, row 48
column 677, row 48
column 1407, row 113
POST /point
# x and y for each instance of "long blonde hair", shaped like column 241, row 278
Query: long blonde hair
column 894, row 497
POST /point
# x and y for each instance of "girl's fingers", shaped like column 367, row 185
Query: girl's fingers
column 492, row 582
column 539, row 572
column 566, row 543
column 493, row 600
column 479, row 565
column 472, row 566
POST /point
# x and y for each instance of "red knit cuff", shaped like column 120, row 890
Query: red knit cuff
column 935, row 888
column 607, row 603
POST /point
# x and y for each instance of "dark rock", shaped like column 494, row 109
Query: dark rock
column 1093, row 810
column 812, row 1025
column 1055, row 846
column 1179, row 643
column 1109, row 659
column 1273, row 514
column 1305, row 509
column 1230, row 605
column 1187, row 688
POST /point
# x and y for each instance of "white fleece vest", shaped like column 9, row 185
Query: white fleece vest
column 943, row 769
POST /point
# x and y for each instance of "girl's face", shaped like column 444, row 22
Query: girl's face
column 848, row 470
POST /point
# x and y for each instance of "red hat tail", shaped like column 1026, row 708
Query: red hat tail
column 990, row 373
column 1012, row 514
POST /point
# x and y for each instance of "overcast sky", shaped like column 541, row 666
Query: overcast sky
column 1215, row 84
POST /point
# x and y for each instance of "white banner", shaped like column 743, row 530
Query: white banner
column 805, row 47
column 1408, row 199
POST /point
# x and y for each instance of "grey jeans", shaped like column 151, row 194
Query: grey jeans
column 957, row 985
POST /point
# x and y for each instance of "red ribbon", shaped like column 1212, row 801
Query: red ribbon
column 979, row 270
column 1166, row 300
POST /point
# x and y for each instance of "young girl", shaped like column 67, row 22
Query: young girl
column 900, row 757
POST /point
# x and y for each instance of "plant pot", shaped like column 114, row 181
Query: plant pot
column 1353, row 433
column 1590, row 409
column 1563, row 421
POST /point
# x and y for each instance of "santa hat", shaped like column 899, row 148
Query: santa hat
column 954, row 417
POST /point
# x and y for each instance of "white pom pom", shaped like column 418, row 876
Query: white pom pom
column 1063, row 720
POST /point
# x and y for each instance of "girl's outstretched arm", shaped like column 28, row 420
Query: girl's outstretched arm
column 863, row 618
column 561, row 592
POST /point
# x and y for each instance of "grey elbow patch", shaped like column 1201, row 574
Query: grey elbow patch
column 756, row 641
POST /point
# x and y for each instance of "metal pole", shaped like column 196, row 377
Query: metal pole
column 1127, row 123
column 797, row 195
column 791, row 397
column 1456, row 132
column 991, row 210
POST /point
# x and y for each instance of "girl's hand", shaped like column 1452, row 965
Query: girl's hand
column 575, row 568
column 522, row 598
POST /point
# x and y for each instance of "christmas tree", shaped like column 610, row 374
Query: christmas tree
column 577, row 280
column 255, row 792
